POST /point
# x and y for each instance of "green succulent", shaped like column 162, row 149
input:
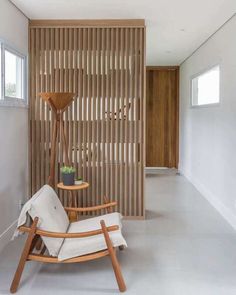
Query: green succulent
column 79, row 178
column 67, row 169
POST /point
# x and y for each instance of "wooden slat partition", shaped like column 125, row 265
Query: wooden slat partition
column 103, row 63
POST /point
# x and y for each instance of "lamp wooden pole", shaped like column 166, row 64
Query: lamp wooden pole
column 59, row 102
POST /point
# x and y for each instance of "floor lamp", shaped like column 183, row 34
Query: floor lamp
column 59, row 102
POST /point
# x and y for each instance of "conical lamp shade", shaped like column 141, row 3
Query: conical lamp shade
column 60, row 100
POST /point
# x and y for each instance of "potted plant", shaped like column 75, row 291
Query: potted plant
column 79, row 181
column 68, row 175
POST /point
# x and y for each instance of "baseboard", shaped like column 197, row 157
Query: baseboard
column 6, row 236
column 160, row 170
column 155, row 168
column 82, row 217
column 211, row 198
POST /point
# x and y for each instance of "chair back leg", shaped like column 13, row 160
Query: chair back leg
column 106, row 201
column 114, row 261
column 121, row 248
column 24, row 256
column 39, row 244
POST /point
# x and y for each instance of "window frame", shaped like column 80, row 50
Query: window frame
column 7, row 100
column 200, row 73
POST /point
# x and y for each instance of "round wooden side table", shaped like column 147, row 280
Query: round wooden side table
column 72, row 198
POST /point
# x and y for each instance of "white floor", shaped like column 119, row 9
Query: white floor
column 184, row 247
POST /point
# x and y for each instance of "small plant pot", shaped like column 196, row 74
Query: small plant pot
column 78, row 182
column 68, row 178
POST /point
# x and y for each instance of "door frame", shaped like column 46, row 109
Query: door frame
column 171, row 68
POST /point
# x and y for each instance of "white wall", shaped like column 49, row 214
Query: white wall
column 208, row 134
column 13, row 130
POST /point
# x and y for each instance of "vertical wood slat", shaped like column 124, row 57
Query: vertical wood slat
column 94, row 121
column 131, row 90
column 70, row 89
column 70, row 109
column 126, row 134
column 49, row 65
column 135, row 179
column 120, row 118
column 79, row 111
column 107, row 107
column 37, row 111
column 44, row 55
column 104, row 67
column 98, row 137
column 84, row 108
column 89, row 111
column 141, row 116
column 117, row 98
column 111, row 115
column 61, row 89
column 65, row 72
column 144, row 121
column 32, row 92
column 102, row 73
column 75, row 90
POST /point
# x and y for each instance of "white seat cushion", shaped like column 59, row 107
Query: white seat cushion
column 52, row 217
column 81, row 246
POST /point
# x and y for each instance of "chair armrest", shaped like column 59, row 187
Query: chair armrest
column 93, row 208
column 50, row 234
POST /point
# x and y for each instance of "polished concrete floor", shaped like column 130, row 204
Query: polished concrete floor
column 183, row 248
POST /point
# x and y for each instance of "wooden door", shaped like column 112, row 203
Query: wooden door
column 162, row 117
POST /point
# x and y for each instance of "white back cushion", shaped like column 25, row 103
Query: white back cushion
column 52, row 216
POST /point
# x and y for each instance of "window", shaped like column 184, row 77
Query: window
column 12, row 78
column 206, row 87
column 13, row 75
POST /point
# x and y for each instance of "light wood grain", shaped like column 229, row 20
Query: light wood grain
column 105, row 124
column 94, row 208
column 87, row 23
column 50, row 259
column 34, row 234
column 74, row 187
column 114, row 261
column 24, row 256
column 49, row 234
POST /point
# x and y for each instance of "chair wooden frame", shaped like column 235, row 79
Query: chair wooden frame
column 34, row 234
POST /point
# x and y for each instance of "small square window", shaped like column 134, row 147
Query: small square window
column 13, row 75
column 206, row 88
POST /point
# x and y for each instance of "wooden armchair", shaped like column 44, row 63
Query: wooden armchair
column 35, row 233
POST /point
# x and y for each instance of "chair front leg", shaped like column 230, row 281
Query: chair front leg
column 24, row 257
column 114, row 261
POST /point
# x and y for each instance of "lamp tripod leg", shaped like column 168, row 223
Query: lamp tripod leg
column 51, row 178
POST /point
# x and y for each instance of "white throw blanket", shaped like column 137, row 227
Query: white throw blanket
column 24, row 214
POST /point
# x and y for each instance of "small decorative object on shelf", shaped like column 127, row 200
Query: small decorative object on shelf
column 78, row 181
column 68, row 175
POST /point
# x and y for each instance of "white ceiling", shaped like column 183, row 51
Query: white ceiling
column 175, row 28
